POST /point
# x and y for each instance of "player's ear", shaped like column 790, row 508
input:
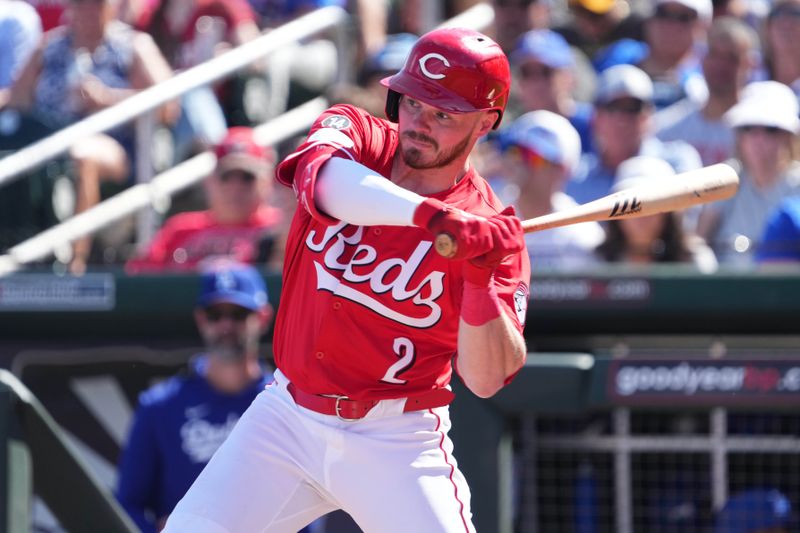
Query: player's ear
column 488, row 118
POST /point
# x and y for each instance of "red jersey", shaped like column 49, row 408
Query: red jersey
column 372, row 312
column 188, row 238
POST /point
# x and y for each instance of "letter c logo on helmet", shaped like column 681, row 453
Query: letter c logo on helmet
column 424, row 59
column 477, row 76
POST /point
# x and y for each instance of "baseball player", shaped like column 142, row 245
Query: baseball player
column 372, row 321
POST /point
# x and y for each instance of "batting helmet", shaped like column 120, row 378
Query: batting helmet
column 453, row 69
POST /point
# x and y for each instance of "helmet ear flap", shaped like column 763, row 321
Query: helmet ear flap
column 392, row 108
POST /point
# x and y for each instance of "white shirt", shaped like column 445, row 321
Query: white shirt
column 744, row 216
column 565, row 249
column 684, row 121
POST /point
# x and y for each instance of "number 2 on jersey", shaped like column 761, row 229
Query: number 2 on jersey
column 404, row 349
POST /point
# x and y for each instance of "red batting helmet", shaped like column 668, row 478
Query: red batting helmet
column 453, row 69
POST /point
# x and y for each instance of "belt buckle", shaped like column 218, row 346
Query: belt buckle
column 338, row 408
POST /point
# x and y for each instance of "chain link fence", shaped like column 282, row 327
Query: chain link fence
column 652, row 471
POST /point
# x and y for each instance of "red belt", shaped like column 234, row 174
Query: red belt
column 347, row 409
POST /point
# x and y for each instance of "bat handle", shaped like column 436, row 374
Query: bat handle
column 446, row 245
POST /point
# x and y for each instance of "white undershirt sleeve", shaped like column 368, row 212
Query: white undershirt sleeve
column 353, row 193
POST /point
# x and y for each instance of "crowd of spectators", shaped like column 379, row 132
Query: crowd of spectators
column 664, row 79
column 606, row 94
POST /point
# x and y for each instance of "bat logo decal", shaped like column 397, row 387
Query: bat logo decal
column 625, row 206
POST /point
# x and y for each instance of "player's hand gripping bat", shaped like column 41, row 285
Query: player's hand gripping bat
column 672, row 193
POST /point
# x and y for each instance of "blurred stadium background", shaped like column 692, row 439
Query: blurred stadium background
column 649, row 399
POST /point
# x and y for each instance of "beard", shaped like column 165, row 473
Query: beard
column 414, row 157
column 229, row 346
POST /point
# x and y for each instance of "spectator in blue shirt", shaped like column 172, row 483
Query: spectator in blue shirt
column 20, row 31
column 622, row 128
column 179, row 423
column 780, row 242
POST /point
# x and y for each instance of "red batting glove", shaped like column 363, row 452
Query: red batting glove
column 480, row 302
column 508, row 239
column 472, row 234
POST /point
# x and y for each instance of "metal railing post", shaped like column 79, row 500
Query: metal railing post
column 622, row 471
column 147, row 218
column 719, row 457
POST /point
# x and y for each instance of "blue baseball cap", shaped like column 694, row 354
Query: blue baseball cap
column 753, row 510
column 392, row 56
column 544, row 46
column 233, row 283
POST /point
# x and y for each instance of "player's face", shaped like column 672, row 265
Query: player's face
column 432, row 138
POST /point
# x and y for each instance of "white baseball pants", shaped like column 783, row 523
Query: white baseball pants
column 283, row 466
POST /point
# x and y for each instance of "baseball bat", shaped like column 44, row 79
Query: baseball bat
column 667, row 193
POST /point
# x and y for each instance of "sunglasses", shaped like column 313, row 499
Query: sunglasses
column 530, row 158
column 625, row 107
column 538, row 72
column 683, row 16
column 246, row 177
column 770, row 130
column 237, row 314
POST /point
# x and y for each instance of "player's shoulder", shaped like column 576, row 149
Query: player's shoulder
column 344, row 117
column 477, row 196
column 347, row 111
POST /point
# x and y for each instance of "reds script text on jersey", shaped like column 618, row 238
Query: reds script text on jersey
column 385, row 285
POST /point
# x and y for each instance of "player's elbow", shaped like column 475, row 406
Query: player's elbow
column 484, row 388
column 485, row 384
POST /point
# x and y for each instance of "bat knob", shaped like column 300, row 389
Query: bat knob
column 445, row 245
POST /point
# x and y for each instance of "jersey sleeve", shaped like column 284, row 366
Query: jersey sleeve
column 512, row 281
column 341, row 131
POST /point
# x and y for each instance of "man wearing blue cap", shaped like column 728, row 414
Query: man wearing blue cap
column 622, row 128
column 180, row 422
column 545, row 73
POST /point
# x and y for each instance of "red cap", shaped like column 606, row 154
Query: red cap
column 239, row 151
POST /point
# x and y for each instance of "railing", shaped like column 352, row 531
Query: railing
column 141, row 107
column 14, row 165
column 153, row 191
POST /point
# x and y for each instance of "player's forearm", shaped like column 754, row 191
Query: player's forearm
column 355, row 194
column 488, row 354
